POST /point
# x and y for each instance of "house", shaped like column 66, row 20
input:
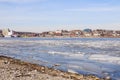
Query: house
column 87, row 32
column 58, row 33
column 117, row 33
column 96, row 33
column 76, row 33
column 65, row 33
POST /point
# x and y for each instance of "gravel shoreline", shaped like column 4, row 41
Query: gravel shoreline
column 14, row 69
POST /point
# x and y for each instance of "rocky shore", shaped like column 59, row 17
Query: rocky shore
column 14, row 69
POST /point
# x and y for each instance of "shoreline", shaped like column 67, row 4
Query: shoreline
column 68, row 37
column 13, row 64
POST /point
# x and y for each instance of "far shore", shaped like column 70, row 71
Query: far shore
column 61, row 37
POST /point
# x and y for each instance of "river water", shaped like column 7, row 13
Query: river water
column 98, row 56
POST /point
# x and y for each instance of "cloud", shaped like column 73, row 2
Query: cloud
column 95, row 9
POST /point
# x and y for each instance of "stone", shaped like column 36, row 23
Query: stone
column 107, row 78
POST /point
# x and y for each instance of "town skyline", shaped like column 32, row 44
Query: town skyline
column 45, row 30
column 49, row 28
column 98, row 33
column 48, row 15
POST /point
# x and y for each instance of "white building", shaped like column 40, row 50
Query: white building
column 58, row 31
column 7, row 32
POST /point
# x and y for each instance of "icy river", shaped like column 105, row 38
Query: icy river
column 98, row 56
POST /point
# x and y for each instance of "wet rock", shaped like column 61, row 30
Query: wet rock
column 42, row 69
column 107, row 78
column 56, row 64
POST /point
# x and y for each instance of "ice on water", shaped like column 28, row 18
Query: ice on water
column 97, row 56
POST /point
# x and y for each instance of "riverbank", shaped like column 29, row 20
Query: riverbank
column 14, row 69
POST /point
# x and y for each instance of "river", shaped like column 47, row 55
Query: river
column 98, row 56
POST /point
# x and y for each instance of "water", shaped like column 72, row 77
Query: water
column 99, row 56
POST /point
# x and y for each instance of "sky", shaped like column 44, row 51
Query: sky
column 49, row 15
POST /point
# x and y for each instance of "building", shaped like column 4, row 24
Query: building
column 65, row 33
column 1, row 33
column 87, row 32
column 7, row 32
column 117, row 33
column 76, row 33
column 96, row 33
column 58, row 33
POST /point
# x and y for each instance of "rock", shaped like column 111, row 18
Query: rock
column 107, row 78
column 19, row 70
column 97, row 79
column 56, row 64
column 43, row 69
column 76, row 76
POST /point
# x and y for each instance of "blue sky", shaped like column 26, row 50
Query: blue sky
column 46, row 15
